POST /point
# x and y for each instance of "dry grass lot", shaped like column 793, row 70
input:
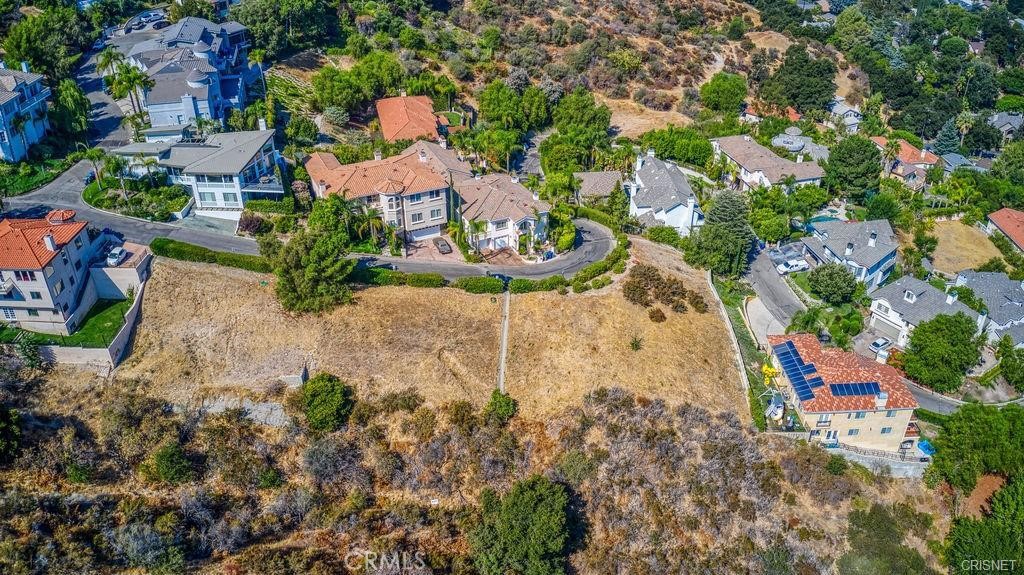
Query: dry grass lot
column 961, row 247
column 562, row 348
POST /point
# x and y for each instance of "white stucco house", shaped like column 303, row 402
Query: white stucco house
column 508, row 212
column 660, row 195
column 901, row 306
column 22, row 95
column 757, row 166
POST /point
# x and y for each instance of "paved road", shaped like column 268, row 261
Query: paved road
column 105, row 129
column 66, row 192
column 773, row 290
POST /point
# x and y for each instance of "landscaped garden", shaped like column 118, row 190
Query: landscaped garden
column 142, row 198
column 98, row 329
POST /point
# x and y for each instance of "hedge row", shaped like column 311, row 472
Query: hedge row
column 597, row 216
column 285, row 206
column 174, row 249
column 479, row 284
column 619, row 254
column 378, row 276
column 523, row 285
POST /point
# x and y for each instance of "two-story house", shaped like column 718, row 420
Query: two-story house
column 1004, row 302
column 757, row 166
column 22, row 111
column 868, row 249
column 910, row 165
column 660, row 195
column 901, row 306
column 411, row 190
column 44, row 272
column 1010, row 223
column 842, row 398
column 508, row 214
column 223, row 170
column 845, row 117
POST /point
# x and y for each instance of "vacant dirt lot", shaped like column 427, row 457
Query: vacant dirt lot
column 561, row 348
column 633, row 120
column 961, row 247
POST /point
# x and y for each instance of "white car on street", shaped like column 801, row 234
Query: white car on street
column 791, row 266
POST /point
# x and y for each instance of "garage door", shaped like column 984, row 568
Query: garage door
column 425, row 233
column 886, row 328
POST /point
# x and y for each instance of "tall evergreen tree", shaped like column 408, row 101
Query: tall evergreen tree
column 948, row 140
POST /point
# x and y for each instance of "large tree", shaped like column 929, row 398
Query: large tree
column 1010, row 164
column 941, row 350
column 948, row 140
column 833, row 283
column 802, row 82
column 853, row 166
column 724, row 93
column 723, row 243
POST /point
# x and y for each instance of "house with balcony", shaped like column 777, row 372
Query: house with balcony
column 756, row 166
column 412, row 190
column 910, row 165
column 868, row 249
column 44, row 272
column 508, row 214
column 844, row 399
column 660, row 195
column 222, row 170
column 23, row 105
column 901, row 306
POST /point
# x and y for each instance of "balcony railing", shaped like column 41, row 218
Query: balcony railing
column 264, row 184
column 7, row 286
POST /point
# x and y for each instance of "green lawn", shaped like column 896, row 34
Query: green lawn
column 99, row 328
column 800, row 279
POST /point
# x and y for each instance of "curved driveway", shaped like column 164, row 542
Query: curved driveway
column 593, row 243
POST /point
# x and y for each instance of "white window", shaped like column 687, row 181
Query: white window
column 25, row 276
column 824, row 420
column 417, row 218
column 8, row 312
column 434, row 194
column 230, row 198
column 415, row 198
column 890, row 413
column 33, row 312
column 394, row 203
column 882, row 308
column 853, row 432
column 831, row 434
column 886, row 430
column 860, row 415
column 59, row 287
column 207, row 197
column 435, row 214
column 503, row 224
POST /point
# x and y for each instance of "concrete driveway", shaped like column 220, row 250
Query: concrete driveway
column 105, row 116
column 772, row 290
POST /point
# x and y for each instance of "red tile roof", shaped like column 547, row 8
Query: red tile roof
column 837, row 366
column 909, row 153
column 1011, row 223
column 407, row 118
column 21, row 241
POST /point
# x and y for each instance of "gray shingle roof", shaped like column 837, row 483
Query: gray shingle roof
column 929, row 301
column 224, row 153
column 1003, row 297
column 662, row 185
column 836, row 235
column 597, row 184
column 171, row 81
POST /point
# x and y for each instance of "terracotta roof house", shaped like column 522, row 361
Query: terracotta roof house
column 44, row 272
column 759, row 166
column 411, row 189
column 407, row 118
column 506, row 210
column 597, row 185
column 1010, row 223
column 843, row 398
column 910, row 165
column 901, row 306
column 753, row 112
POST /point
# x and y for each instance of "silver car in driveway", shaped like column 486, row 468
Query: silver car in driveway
column 880, row 344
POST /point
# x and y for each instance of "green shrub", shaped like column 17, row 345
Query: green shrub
column 10, row 434
column 664, row 235
column 597, row 216
column 601, row 282
column 580, row 287
column 284, row 224
column 327, row 402
column 477, row 284
column 656, row 315
column 523, row 285
column 500, row 408
column 426, row 280
column 183, row 251
column 836, row 465
column 285, row 206
column 168, row 464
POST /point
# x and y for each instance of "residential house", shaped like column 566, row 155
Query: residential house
column 412, row 189
column 44, row 271
column 976, row 48
column 868, row 249
column 793, row 141
column 901, row 306
column 198, row 68
column 844, row 399
column 1008, row 123
column 754, row 112
column 660, row 195
column 910, row 165
column 1003, row 299
column 222, row 170
column 758, row 166
column 409, row 118
column 952, row 162
column 1010, row 223
column 23, row 99
column 597, row 186
column 845, row 117
column 509, row 213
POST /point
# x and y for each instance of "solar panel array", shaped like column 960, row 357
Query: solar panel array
column 844, row 389
column 796, row 370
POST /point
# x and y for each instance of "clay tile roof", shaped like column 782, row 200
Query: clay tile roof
column 495, row 197
column 407, row 118
column 909, row 153
column 21, row 241
column 835, row 366
column 1011, row 223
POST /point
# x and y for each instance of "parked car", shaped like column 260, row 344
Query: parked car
column 443, row 246
column 791, row 266
column 160, row 24
column 152, row 17
column 116, row 256
column 88, row 179
column 99, row 44
column 880, row 344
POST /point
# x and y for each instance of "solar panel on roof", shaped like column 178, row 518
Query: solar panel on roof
column 854, row 389
column 816, row 381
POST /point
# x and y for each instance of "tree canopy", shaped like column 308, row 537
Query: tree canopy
column 853, row 166
column 941, row 350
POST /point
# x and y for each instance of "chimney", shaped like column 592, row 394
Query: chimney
column 402, row 93
column 476, row 175
column 639, row 162
column 872, row 238
column 262, row 123
column 849, row 249
column 323, row 186
column 881, row 399
column 443, row 142
column 746, row 138
column 922, row 154
column 51, row 244
column 423, row 156
column 650, row 152
column 799, row 158
column 377, row 155
column 951, row 297
column 515, row 178
column 536, row 196
column 24, row 66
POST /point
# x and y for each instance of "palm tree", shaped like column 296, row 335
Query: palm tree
column 95, row 156
column 890, row 152
column 117, row 165
column 476, row 227
column 149, row 163
column 18, row 122
column 131, row 82
column 108, row 60
column 456, row 232
column 372, row 223
column 258, row 56
column 964, row 122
